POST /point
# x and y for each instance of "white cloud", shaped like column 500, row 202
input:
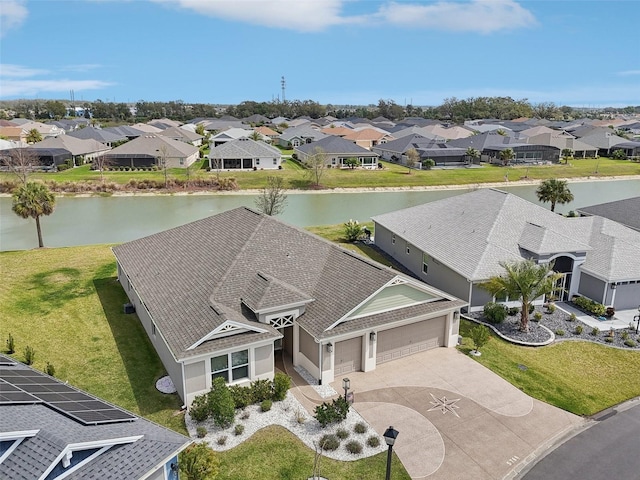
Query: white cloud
column 16, row 88
column 484, row 16
column 628, row 73
column 299, row 15
column 18, row 71
column 12, row 14
column 83, row 67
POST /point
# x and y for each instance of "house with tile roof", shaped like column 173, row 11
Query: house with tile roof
column 244, row 154
column 457, row 243
column 259, row 288
column 336, row 150
column 51, row 430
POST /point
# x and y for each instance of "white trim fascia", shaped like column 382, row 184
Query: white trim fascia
column 346, row 315
column 283, row 307
column 607, row 280
column 17, row 437
column 103, row 444
column 218, row 329
column 215, row 353
column 82, row 463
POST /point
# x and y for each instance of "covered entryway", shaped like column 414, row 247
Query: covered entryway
column 348, row 356
column 409, row 339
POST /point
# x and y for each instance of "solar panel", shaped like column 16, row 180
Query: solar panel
column 23, row 385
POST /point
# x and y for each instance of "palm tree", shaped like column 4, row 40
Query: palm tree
column 32, row 201
column 525, row 280
column 507, row 155
column 33, row 136
column 554, row 191
column 255, row 136
column 472, row 153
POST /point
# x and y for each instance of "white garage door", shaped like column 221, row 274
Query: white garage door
column 409, row 339
column 348, row 356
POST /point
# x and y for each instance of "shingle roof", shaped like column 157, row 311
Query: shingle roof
column 152, row 144
column 233, row 247
column 77, row 146
column 626, row 212
column 35, row 454
column 335, row 145
column 302, row 131
column 103, row 136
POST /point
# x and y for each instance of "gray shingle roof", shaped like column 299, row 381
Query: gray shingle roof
column 302, row 131
column 103, row 136
column 626, row 212
column 34, row 455
column 152, row 145
column 178, row 286
column 244, row 148
column 334, row 145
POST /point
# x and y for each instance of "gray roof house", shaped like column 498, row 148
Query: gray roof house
column 604, row 139
column 182, row 135
column 244, row 154
column 439, row 151
column 152, row 149
column 50, row 430
column 295, row 136
column 336, row 151
column 102, row 136
column 625, row 212
column 458, row 242
column 79, row 148
column 260, row 288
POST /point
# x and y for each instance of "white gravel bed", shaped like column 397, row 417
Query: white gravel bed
column 325, row 391
column 285, row 414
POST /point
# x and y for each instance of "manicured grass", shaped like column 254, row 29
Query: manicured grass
column 391, row 176
column 67, row 305
column 275, row 453
column 580, row 377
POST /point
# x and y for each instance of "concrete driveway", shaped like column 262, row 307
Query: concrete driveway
column 456, row 418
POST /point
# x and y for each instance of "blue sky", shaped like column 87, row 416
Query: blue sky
column 579, row 53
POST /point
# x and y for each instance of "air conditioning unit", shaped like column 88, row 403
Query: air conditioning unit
column 129, row 308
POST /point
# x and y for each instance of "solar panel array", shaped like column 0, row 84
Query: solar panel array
column 22, row 386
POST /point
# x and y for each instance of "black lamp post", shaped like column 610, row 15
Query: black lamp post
column 390, row 437
column 346, row 384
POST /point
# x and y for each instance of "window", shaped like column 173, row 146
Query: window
column 257, row 161
column 275, row 161
column 182, row 161
column 333, row 161
column 408, row 249
column 425, row 264
column 153, row 329
column 239, row 362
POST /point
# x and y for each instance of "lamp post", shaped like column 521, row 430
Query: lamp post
column 637, row 320
column 390, row 437
column 346, row 384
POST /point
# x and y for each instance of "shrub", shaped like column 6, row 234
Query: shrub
column 624, row 335
column 495, row 312
column 261, row 390
column 354, row 447
column 560, row 332
column 608, row 339
column 428, row 163
column 329, row 442
column 373, row 441
column 572, row 318
column 595, row 331
column 513, row 311
column 352, row 230
column 199, row 410
column 238, row 429
column 341, row 433
column 630, row 343
column 242, row 396
column 245, row 414
column 551, row 308
column 532, row 307
column 29, row 355
column 198, row 461
column 50, row 370
column 11, row 344
column 334, row 412
column 281, row 385
column 479, row 336
column 590, row 306
column 221, row 406
column 265, row 406
column 201, row 432
column 578, row 329
column 360, row 427
column 537, row 316
column 222, row 440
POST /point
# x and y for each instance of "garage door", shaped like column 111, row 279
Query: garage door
column 348, row 356
column 409, row 339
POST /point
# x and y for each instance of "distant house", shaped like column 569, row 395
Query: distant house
column 81, row 150
column 45, row 156
column 268, row 133
column 259, row 288
column 244, row 154
column 604, row 139
column 182, row 135
column 336, row 151
column 152, row 150
column 564, row 140
column 457, row 243
column 52, row 430
column 440, row 152
column 229, row 134
column 368, row 137
column 100, row 135
column 294, row 137
column 523, row 153
column 630, row 149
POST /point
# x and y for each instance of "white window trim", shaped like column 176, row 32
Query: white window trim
column 230, row 366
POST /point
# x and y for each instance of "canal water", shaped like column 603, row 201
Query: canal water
column 92, row 220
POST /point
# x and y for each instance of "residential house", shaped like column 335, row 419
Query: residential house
column 45, row 130
column 368, row 137
column 604, row 139
column 110, row 139
column 563, row 140
column 625, row 212
column 256, row 119
column 164, row 123
column 259, row 288
column 447, row 132
column 15, row 134
column 153, row 150
column 81, row 150
column 146, row 128
column 229, row 134
column 336, row 151
column 52, row 430
column 182, row 135
column 441, row 153
column 244, row 154
column 293, row 137
column 45, row 156
column 630, row 149
column 457, row 243
column 270, row 135
column 129, row 132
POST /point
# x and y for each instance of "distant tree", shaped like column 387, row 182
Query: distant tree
column 352, row 162
column 413, row 157
column 525, row 280
column 34, row 200
column 33, row 136
column 101, row 163
column 272, row 199
column 55, row 109
column 473, row 154
column 255, row 135
column 567, row 154
column 316, row 165
column 20, row 162
column 198, row 462
column 200, row 129
column 163, row 163
column 507, row 155
column 554, row 191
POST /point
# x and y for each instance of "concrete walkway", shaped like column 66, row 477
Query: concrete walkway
column 619, row 321
column 456, row 418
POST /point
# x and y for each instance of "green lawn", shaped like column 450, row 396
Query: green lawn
column 391, row 176
column 275, row 453
column 67, row 305
column 581, row 377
